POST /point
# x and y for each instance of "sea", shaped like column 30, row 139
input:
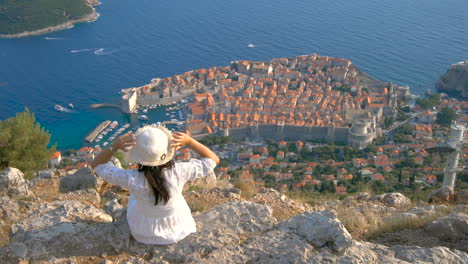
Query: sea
column 408, row 42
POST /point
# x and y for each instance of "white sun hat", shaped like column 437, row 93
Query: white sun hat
column 152, row 146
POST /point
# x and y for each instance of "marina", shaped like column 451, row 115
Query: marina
column 90, row 138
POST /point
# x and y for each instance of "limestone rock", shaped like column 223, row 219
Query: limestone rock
column 451, row 228
column 46, row 174
column 320, row 229
column 87, row 197
column 83, row 178
column 396, row 200
column 427, row 210
column 462, row 196
column 440, row 255
column 221, row 226
column 61, row 229
column 443, row 194
column 236, row 217
column 405, row 217
column 114, row 208
column 13, row 184
column 455, row 79
column 363, row 196
column 9, row 209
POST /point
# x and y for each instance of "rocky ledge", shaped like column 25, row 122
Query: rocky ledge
column 72, row 227
column 455, row 80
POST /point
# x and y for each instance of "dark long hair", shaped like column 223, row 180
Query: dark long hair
column 156, row 180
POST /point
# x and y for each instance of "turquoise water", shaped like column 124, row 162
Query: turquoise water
column 406, row 42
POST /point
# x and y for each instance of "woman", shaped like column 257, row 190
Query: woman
column 157, row 213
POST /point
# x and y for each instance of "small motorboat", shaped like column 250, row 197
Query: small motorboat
column 143, row 117
column 59, row 108
column 71, row 106
column 251, row 45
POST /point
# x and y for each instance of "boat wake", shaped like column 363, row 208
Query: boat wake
column 64, row 109
column 47, row 38
column 103, row 51
column 81, row 50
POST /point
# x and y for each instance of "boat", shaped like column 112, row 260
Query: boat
column 145, row 111
column 105, row 143
column 71, row 106
column 251, row 45
column 59, row 108
column 143, row 117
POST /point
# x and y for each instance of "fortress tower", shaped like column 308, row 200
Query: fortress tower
column 129, row 102
column 360, row 134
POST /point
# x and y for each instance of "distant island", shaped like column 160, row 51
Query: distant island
column 35, row 17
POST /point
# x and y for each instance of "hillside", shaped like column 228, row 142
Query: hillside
column 75, row 218
column 34, row 17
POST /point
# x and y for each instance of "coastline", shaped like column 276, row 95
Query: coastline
column 69, row 24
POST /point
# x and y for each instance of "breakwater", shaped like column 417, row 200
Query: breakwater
column 91, row 136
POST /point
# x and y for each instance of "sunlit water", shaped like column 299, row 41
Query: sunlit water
column 406, row 42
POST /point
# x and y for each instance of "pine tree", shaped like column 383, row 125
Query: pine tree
column 23, row 143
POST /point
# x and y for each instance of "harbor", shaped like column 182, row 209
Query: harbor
column 172, row 116
column 95, row 132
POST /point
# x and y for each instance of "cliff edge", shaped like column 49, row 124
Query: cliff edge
column 86, row 223
column 455, row 80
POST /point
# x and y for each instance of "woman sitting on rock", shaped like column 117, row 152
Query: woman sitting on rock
column 157, row 213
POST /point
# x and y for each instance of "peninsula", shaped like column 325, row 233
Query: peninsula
column 28, row 18
column 308, row 97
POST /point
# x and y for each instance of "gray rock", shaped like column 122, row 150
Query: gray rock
column 396, row 200
column 114, row 208
column 427, row 210
column 9, row 209
column 221, row 226
column 84, row 178
column 13, row 184
column 401, row 217
column 462, row 196
column 236, row 217
column 87, row 197
column 46, row 174
column 439, row 255
column 65, row 228
column 452, row 227
column 363, row 196
column 320, row 229
column 443, row 194
column 233, row 232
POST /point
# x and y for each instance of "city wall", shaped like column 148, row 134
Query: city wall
column 281, row 132
column 155, row 99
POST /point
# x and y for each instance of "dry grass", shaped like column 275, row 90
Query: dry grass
column 312, row 198
column 248, row 190
column 399, row 224
column 358, row 224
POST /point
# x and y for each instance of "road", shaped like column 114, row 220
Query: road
column 396, row 125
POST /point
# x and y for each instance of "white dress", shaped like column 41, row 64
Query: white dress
column 163, row 223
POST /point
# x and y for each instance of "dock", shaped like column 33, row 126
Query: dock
column 90, row 138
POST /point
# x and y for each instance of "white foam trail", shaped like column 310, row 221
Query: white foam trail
column 99, row 51
column 81, row 50
column 47, row 38
column 103, row 51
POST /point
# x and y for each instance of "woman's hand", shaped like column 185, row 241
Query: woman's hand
column 180, row 139
column 124, row 142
